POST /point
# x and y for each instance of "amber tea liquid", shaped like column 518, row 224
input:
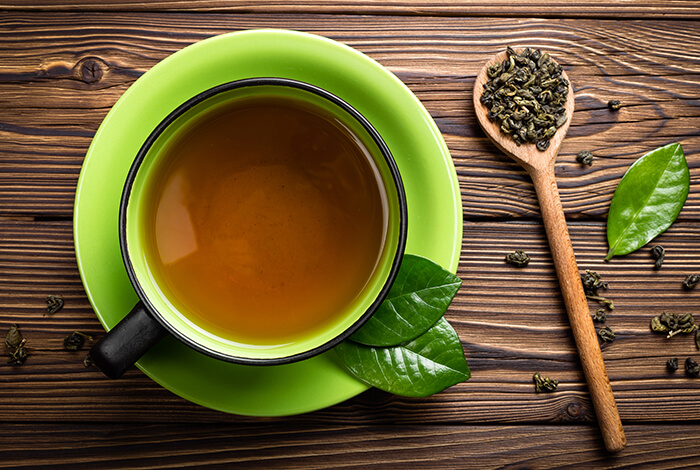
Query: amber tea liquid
column 267, row 220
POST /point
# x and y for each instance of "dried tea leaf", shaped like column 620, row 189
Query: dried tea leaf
column 584, row 157
column 606, row 334
column 592, row 283
column 600, row 315
column 614, row 105
column 18, row 357
column 518, row 258
column 686, row 323
column 88, row 362
column 672, row 364
column 658, row 327
column 691, row 281
column 54, row 304
column 75, row 341
column 658, row 252
column 13, row 338
column 15, row 342
column 544, row 384
column 692, row 367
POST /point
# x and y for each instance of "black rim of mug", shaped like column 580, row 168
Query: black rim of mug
column 267, row 81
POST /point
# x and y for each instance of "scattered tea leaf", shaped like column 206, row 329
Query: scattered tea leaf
column 544, row 384
column 13, row 338
column 673, row 323
column 584, row 157
column 422, row 367
column 592, row 283
column 54, row 304
column 420, row 295
column 606, row 334
column 672, row 364
column 692, row 367
column 88, row 362
column 614, row 105
column 658, row 252
column 15, row 343
column 697, row 339
column 648, row 199
column 75, row 341
column 600, row 315
column 691, row 281
column 518, row 258
column 19, row 355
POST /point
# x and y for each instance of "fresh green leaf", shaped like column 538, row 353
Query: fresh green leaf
column 648, row 199
column 420, row 295
column 422, row 367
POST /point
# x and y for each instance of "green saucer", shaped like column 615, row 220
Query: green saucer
column 434, row 201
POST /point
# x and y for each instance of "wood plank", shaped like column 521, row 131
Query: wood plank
column 511, row 322
column 57, row 85
column 271, row 446
column 671, row 9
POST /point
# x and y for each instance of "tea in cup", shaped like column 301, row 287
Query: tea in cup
column 262, row 222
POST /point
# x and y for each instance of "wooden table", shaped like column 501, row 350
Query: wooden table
column 64, row 63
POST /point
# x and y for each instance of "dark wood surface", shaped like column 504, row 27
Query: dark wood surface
column 63, row 64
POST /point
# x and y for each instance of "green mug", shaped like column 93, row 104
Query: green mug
column 187, row 268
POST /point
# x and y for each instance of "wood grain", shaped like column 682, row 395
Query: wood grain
column 116, row 446
column 511, row 321
column 66, row 62
column 66, row 70
column 671, row 9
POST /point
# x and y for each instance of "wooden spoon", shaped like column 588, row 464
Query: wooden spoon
column 540, row 167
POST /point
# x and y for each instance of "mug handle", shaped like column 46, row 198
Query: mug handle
column 124, row 344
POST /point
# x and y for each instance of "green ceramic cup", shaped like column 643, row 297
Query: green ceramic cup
column 157, row 315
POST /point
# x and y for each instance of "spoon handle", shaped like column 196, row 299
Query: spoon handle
column 577, row 308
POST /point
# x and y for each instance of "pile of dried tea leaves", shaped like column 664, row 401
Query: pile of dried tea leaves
column 673, row 323
column 525, row 95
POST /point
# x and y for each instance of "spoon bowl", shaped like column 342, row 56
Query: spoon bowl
column 526, row 154
column 540, row 167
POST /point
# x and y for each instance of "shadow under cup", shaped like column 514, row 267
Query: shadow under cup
column 302, row 199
